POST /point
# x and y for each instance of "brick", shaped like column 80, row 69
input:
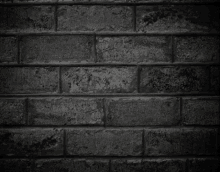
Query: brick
column 99, row 79
column 76, row 165
column 8, row 51
column 200, row 111
column 215, row 84
column 110, row 142
column 130, row 165
column 179, row 18
column 15, row 165
column 31, row 142
column 174, row 79
column 28, row 18
column 133, row 49
column 203, row 164
column 28, row 80
column 175, row 141
column 12, row 111
column 17, row 1
column 142, row 111
column 95, row 18
column 57, row 49
column 66, row 111
column 164, row 165
column 197, row 49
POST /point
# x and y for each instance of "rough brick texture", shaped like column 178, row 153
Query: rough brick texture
column 109, row 85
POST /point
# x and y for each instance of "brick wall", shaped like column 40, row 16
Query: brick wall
column 109, row 86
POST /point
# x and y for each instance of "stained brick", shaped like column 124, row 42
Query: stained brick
column 197, row 49
column 110, row 142
column 178, row 18
column 133, row 49
column 142, row 111
column 95, row 18
column 31, row 142
column 15, row 165
column 28, row 18
column 200, row 111
column 28, row 80
column 174, row 141
column 99, row 79
column 12, row 111
column 203, row 164
column 174, row 79
column 130, row 165
column 66, row 111
column 215, row 75
column 164, row 165
column 8, row 50
column 57, row 49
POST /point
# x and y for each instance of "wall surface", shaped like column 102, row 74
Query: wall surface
column 109, row 86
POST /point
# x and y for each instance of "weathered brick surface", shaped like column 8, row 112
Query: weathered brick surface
column 76, row 165
column 57, row 49
column 99, row 79
column 130, row 165
column 200, row 111
column 15, row 165
column 8, row 50
column 12, row 111
column 133, row 49
column 27, row 18
column 203, row 164
column 178, row 18
column 66, row 111
column 174, row 141
column 214, row 75
column 31, row 142
column 95, row 18
column 109, row 142
column 28, row 80
column 142, row 111
column 197, row 49
column 164, row 165
column 174, row 79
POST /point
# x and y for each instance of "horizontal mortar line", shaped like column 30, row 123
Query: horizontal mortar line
column 108, row 157
column 107, row 3
column 112, row 95
column 106, row 33
column 90, row 127
column 112, row 64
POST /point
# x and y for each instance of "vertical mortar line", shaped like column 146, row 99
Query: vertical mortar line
column 209, row 75
column 187, row 165
column 94, row 48
column 138, row 78
column 134, row 18
column 172, row 49
column 18, row 49
column 104, row 111
column 26, row 111
column 55, row 16
column 180, row 110
column 64, row 143
column 110, row 163
column 60, row 80
column 143, row 143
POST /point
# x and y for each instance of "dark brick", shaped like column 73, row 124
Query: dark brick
column 164, row 165
column 12, row 111
column 8, row 50
column 28, row 18
column 95, row 18
column 17, row 1
column 110, row 142
column 203, row 165
column 99, row 79
column 130, row 165
column 130, row 49
column 66, row 111
column 142, row 111
column 174, row 79
column 31, row 142
column 183, row 18
column 28, row 80
column 197, row 49
column 76, row 165
column 200, row 111
column 175, row 141
column 15, row 165
column 57, row 49
column 215, row 75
